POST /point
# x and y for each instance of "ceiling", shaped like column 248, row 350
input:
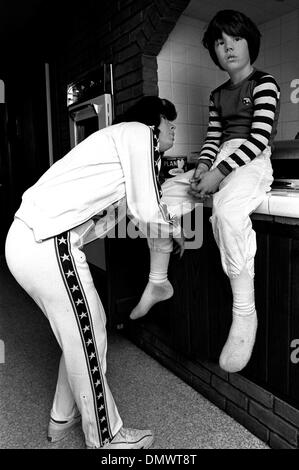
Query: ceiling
column 29, row 25
column 42, row 21
column 259, row 11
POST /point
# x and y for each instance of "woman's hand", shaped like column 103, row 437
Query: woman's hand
column 199, row 171
column 179, row 245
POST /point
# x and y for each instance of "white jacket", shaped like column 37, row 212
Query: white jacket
column 111, row 164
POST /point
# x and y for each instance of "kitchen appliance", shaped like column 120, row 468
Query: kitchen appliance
column 285, row 163
column 90, row 103
column 89, row 116
column 90, row 108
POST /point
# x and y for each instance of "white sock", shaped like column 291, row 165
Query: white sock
column 158, row 288
column 238, row 347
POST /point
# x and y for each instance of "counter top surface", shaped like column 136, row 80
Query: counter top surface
column 276, row 203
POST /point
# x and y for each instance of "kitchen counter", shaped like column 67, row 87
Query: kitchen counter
column 186, row 333
column 275, row 204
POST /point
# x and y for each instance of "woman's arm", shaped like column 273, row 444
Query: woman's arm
column 135, row 146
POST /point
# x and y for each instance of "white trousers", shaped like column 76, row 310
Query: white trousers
column 239, row 194
column 56, row 275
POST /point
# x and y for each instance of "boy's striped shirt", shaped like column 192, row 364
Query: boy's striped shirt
column 248, row 110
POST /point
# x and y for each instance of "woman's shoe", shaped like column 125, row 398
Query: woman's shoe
column 127, row 438
column 58, row 430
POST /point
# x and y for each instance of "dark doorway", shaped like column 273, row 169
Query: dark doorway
column 24, row 153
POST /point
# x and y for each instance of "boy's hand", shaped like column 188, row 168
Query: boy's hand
column 209, row 183
column 199, row 171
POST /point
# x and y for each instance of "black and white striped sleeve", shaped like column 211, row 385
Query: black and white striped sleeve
column 265, row 100
column 212, row 141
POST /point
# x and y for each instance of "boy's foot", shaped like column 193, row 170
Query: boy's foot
column 57, row 430
column 238, row 347
column 153, row 293
column 130, row 439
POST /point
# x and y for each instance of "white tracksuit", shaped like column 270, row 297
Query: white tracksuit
column 113, row 166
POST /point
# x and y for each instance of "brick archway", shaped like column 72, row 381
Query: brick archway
column 137, row 76
column 127, row 33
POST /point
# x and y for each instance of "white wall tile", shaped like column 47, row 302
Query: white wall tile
column 289, row 130
column 178, row 149
column 289, row 112
column 195, row 114
column 208, row 77
column 195, row 136
column 289, row 51
column 194, row 75
column 289, row 30
column 180, row 93
column 221, row 76
column 260, row 62
column 178, row 52
column 206, row 60
column 195, row 95
column 164, row 70
column 289, row 71
column 194, row 55
column 178, row 72
column 279, row 132
column 182, row 133
column 165, row 51
column 285, row 92
column 272, row 37
column 183, row 115
column 165, row 90
column 275, row 70
column 270, row 24
column 199, row 95
column 272, row 56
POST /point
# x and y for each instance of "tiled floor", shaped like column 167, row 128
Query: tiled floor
column 147, row 394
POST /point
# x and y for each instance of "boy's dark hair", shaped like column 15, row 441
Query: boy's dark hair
column 148, row 110
column 233, row 23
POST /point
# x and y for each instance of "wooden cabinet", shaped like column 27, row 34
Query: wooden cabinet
column 196, row 320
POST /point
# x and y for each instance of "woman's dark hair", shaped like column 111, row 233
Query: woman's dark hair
column 148, row 110
column 233, row 23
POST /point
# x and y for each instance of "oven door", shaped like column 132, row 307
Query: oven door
column 88, row 117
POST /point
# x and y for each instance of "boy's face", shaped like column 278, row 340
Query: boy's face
column 166, row 136
column 232, row 53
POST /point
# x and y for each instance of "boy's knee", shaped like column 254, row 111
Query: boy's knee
column 229, row 220
column 222, row 213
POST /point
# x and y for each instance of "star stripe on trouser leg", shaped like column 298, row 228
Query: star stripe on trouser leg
column 81, row 311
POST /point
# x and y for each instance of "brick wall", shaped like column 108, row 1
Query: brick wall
column 127, row 33
column 267, row 416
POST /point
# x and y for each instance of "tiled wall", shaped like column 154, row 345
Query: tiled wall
column 279, row 56
column 186, row 76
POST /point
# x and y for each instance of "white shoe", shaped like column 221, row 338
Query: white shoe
column 57, row 431
column 127, row 438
